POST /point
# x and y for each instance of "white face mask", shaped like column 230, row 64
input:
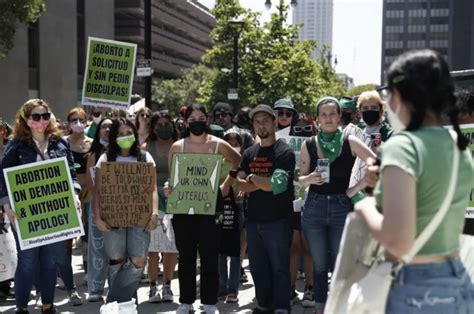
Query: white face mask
column 97, row 119
column 393, row 118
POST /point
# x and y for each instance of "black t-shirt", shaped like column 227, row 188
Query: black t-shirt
column 262, row 161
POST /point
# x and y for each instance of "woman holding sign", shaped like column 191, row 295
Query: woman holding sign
column 199, row 232
column 35, row 138
column 126, row 247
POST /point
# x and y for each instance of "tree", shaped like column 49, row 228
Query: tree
column 12, row 12
column 359, row 89
column 171, row 94
column 273, row 63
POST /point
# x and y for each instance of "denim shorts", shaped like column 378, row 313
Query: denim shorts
column 127, row 242
column 432, row 288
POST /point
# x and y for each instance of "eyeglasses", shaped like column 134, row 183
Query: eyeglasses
column 37, row 116
column 144, row 115
column 221, row 115
column 288, row 114
column 97, row 114
column 77, row 120
column 299, row 129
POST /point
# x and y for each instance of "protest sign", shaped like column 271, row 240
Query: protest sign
column 295, row 142
column 42, row 196
column 468, row 131
column 108, row 77
column 125, row 199
column 195, row 183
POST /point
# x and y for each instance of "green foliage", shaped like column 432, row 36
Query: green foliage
column 171, row 94
column 273, row 63
column 359, row 89
column 12, row 12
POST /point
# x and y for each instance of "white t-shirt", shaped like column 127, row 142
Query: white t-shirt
column 103, row 158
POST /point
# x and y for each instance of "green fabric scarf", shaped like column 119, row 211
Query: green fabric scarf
column 330, row 143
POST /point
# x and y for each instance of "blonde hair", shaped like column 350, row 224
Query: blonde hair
column 372, row 96
column 22, row 131
column 76, row 111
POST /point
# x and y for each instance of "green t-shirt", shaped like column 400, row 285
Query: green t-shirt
column 427, row 155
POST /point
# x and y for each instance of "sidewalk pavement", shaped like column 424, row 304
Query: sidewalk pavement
column 245, row 305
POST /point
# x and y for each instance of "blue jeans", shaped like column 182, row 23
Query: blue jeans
column 65, row 269
column 97, row 259
column 120, row 245
column 229, row 280
column 322, row 222
column 269, row 256
column 432, row 288
column 44, row 259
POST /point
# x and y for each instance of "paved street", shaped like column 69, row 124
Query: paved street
column 245, row 304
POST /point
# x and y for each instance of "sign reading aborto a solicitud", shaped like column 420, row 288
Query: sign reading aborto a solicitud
column 108, row 77
column 42, row 196
column 194, row 179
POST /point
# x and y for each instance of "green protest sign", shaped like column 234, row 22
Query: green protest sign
column 108, row 77
column 295, row 142
column 195, row 183
column 468, row 131
column 42, row 196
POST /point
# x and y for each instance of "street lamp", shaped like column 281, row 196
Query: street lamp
column 236, row 24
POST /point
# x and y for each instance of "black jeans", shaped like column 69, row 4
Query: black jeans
column 193, row 233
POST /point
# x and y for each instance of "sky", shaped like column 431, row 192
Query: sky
column 357, row 35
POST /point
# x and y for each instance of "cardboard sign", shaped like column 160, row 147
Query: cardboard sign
column 295, row 143
column 468, row 131
column 108, row 77
column 124, row 200
column 195, row 183
column 42, row 196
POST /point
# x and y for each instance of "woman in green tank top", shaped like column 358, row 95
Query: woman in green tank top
column 414, row 176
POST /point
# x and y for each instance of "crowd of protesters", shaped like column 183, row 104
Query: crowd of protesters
column 257, row 185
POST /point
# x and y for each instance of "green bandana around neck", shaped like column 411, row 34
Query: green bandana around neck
column 330, row 143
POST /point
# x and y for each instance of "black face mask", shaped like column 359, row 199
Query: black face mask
column 346, row 117
column 197, row 127
column 370, row 117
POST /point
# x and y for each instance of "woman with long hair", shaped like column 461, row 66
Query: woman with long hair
column 413, row 179
column 142, row 122
column 35, row 138
column 97, row 259
column 329, row 196
column 126, row 247
column 204, row 229
column 163, row 134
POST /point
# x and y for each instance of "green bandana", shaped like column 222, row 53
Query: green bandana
column 330, row 143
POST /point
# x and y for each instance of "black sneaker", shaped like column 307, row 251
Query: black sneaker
column 20, row 310
column 243, row 276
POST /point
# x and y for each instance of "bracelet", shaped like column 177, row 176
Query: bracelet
column 233, row 173
column 249, row 178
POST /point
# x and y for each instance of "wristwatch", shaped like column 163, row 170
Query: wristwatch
column 233, row 173
column 249, row 178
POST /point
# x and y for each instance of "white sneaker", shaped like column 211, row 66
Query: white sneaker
column 184, row 308
column 210, row 309
column 308, row 299
column 154, row 295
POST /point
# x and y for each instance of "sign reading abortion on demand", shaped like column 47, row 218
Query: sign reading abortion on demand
column 126, row 198
column 108, row 77
column 42, row 196
column 195, row 183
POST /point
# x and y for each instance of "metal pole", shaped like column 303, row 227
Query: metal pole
column 147, row 4
column 235, row 73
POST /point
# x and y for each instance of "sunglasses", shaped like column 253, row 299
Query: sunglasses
column 299, row 129
column 96, row 114
column 37, row 116
column 221, row 115
column 144, row 115
column 288, row 114
column 77, row 120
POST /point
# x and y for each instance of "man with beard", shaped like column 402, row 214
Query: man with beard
column 266, row 173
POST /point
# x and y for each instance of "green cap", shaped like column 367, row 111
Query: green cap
column 284, row 103
column 347, row 103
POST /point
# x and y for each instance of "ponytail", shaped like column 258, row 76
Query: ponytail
column 453, row 116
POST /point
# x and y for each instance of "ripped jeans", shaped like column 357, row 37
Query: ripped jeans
column 432, row 288
column 121, row 244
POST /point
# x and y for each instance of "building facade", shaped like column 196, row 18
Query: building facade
column 316, row 16
column 444, row 25
column 48, row 59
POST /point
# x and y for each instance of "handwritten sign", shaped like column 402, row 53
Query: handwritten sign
column 125, row 199
column 195, row 183
column 42, row 197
